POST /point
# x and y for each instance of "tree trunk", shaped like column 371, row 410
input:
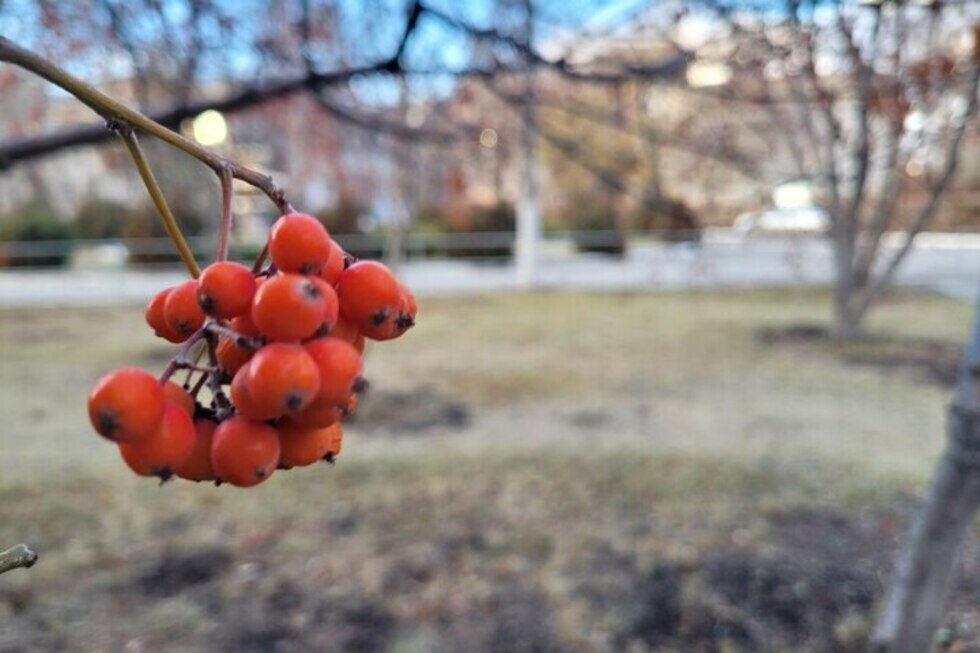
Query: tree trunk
column 912, row 609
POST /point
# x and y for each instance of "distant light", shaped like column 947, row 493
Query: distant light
column 793, row 195
column 210, row 128
column 701, row 74
column 488, row 138
column 914, row 121
column 914, row 168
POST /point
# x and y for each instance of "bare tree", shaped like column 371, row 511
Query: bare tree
column 874, row 104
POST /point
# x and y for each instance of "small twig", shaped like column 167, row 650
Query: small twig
column 222, row 404
column 180, row 359
column 224, row 232
column 260, row 259
column 234, row 336
column 17, row 557
column 200, row 384
column 156, row 194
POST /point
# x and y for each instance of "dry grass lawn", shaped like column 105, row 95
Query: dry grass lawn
column 622, row 471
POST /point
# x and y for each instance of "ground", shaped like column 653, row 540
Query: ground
column 542, row 472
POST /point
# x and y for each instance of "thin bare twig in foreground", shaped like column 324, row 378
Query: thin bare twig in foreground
column 17, row 557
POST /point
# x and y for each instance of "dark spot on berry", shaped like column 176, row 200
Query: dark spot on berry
column 207, row 303
column 294, row 401
column 163, row 473
column 311, row 291
column 378, row 318
column 260, row 472
column 322, row 331
column 330, row 458
column 405, row 322
column 360, row 385
column 309, row 268
column 108, row 424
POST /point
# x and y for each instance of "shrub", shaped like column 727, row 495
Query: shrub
column 99, row 219
column 589, row 216
column 35, row 222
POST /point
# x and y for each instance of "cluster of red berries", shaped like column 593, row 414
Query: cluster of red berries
column 287, row 343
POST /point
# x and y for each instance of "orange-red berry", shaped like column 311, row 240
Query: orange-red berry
column 301, row 446
column 337, row 442
column 181, row 311
column 299, row 243
column 242, row 400
column 402, row 320
column 198, row 466
column 369, row 294
column 126, row 405
column 231, row 356
column 243, row 452
column 339, row 365
column 335, row 264
column 165, row 450
column 320, row 413
column 283, row 378
column 179, row 396
column 289, row 307
column 157, row 321
column 225, row 290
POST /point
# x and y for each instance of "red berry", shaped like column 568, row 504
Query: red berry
column 299, row 243
column 339, row 365
column 282, row 379
column 335, row 265
column 243, row 452
column 157, row 321
column 198, row 466
column 126, row 405
column 301, row 446
column 336, row 443
column 241, row 398
column 289, row 307
column 231, row 356
column 225, row 290
column 179, row 396
column 181, row 311
column 369, row 294
column 167, row 449
column 402, row 321
column 320, row 413
column 330, row 303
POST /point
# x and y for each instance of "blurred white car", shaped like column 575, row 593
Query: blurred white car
column 804, row 219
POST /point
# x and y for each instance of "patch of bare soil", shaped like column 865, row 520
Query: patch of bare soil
column 924, row 360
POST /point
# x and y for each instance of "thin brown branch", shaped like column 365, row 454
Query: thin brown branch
column 17, row 557
column 224, row 230
column 114, row 111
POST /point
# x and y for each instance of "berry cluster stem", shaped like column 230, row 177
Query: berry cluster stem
column 159, row 201
column 180, row 359
column 224, row 231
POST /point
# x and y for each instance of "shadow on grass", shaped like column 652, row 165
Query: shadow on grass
column 925, row 360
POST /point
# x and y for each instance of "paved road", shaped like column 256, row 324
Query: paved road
column 943, row 263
